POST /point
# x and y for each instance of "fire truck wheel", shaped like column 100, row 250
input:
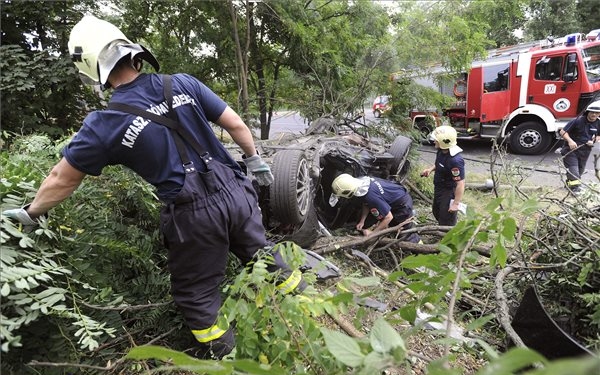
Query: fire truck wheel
column 529, row 138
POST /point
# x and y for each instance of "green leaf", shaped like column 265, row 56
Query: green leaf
column 509, row 227
column 408, row 313
column 479, row 322
column 365, row 281
column 178, row 359
column 589, row 365
column 255, row 368
column 5, row 290
column 511, row 361
column 529, row 206
column 344, row 348
column 493, row 204
column 416, row 261
column 491, row 352
column 384, row 338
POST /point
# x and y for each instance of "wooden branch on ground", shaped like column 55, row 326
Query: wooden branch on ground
column 503, row 312
column 417, row 191
column 428, row 248
column 355, row 241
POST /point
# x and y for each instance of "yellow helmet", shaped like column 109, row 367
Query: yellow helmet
column 345, row 185
column 445, row 136
column 96, row 46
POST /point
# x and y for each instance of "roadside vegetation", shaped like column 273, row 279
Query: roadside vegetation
column 87, row 292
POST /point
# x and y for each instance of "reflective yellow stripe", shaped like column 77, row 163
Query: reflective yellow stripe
column 208, row 334
column 574, row 183
column 291, row 282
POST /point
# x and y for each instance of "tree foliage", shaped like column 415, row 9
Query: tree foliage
column 555, row 18
column 90, row 283
column 39, row 84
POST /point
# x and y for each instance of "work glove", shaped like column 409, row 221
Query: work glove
column 261, row 171
column 21, row 215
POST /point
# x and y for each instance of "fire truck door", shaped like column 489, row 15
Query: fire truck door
column 555, row 84
column 495, row 99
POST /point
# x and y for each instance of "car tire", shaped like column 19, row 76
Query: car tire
column 306, row 234
column 377, row 113
column 291, row 191
column 424, row 131
column 530, row 138
column 399, row 150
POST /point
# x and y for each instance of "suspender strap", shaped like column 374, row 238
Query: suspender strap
column 179, row 132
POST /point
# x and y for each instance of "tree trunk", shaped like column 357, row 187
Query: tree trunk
column 242, row 58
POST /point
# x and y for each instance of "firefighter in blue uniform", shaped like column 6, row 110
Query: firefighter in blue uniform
column 580, row 134
column 387, row 202
column 210, row 206
column 449, row 177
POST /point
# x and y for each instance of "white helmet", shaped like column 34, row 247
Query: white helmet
column 445, row 136
column 345, row 185
column 96, row 46
column 593, row 107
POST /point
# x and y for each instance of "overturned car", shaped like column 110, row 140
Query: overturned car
column 296, row 205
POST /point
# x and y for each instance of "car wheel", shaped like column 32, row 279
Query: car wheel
column 399, row 150
column 529, row 138
column 306, row 234
column 424, row 131
column 290, row 192
column 377, row 113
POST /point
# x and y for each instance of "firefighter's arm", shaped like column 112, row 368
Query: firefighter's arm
column 459, row 191
column 383, row 223
column 58, row 186
column 242, row 136
column 565, row 135
column 240, row 133
column 363, row 216
column 427, row 171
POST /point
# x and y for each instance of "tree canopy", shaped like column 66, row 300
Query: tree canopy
column 318, row 57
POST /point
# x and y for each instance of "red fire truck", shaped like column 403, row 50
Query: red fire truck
column 527, row 92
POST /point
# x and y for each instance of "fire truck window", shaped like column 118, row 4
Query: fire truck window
column 495, row 78
column 591, row 61
column 548, row 69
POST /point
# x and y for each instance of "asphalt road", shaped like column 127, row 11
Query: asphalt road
column 532, row 170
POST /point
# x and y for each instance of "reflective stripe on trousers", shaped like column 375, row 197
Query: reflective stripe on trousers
column 214, row 213
column 291, row 283
column 208, row 334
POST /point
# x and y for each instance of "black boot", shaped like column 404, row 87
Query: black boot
column 215, row 349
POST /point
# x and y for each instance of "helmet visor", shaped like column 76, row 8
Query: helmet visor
column 112, row 53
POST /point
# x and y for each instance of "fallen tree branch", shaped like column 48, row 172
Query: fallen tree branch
column 355, row 241
column 503, row 312
column 428, row 248
column 455, row 287
column 417, row 191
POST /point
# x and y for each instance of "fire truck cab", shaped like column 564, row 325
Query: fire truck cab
column 527, row 93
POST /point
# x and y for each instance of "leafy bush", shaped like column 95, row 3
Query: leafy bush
column 90, row 276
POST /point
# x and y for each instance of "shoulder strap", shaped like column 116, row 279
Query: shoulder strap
column 179, row 132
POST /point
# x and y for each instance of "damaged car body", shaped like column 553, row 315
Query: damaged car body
column 296, row 205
